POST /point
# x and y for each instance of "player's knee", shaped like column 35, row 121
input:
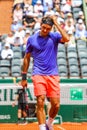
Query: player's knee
column 56, row 106
column 40, row 102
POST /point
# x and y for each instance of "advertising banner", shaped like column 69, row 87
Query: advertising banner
column 72, row 94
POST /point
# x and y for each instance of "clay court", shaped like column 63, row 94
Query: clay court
column 34, row 126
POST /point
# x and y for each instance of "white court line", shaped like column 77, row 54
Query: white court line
column 61, row 128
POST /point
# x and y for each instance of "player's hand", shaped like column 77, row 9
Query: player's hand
column 24, row 83
column 54, row 18
column 13, row 104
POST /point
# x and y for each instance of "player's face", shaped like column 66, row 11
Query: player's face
column 45, row 29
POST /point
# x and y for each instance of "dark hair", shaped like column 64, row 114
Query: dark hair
column 47, row 20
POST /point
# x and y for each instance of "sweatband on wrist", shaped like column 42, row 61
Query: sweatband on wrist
column 24, row 76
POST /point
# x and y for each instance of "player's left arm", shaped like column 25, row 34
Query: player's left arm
column 65, row 37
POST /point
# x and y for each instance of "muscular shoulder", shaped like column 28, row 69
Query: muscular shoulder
column 32, row 39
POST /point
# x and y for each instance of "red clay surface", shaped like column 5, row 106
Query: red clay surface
column 34, row 126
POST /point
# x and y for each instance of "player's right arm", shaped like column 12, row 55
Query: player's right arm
column 26, row 62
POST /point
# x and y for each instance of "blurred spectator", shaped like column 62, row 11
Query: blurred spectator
column 29, row 21
column 49, row 12
column 76, row 3
column 71, row 42
column 18, row 40
column 27, row 8
column 45, row 7
column 10, row 38
column 69, row 2
column 50, row 2
column 81, row 16
column 56, row 2
column 57, row 8
column 69, row 16
column 65, row 7
column 18, row 13
column 21, row 31
column 15, row 26
column 7, row 53
column 80, row 24
column 81, row 32
column 25, row 2
column 17, row 2
column 38, row 8
column 69, row 26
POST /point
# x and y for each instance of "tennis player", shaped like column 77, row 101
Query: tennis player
column 43, row 47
